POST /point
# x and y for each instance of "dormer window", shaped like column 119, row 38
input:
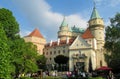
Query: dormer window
column 77, row 44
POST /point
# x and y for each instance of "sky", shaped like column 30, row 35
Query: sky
column 47, row 15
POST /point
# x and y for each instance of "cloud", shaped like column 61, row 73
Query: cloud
column 39, row 14
column 114, row 3
column 109, row 3
column 77, row 20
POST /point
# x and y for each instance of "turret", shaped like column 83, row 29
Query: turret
column 96, row 26
column 64, row 32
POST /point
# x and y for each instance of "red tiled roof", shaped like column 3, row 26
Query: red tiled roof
column 61, row 43
column 87, row 34
column 36, row 33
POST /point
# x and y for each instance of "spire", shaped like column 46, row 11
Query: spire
column 95, row 13
column 64, row 23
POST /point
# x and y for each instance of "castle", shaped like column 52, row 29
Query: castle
column 84, row 48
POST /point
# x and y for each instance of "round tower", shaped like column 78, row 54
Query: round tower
column 96, row 26
column 64, row 32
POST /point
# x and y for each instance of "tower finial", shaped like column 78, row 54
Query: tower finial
column 95, row 13
column 94, row 4
column 64, row 23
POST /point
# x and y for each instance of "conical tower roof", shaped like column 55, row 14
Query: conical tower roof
column 64, row 23
column 95, row 14
column 36, row 33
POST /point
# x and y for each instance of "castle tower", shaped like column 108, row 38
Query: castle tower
column 64, row 32
column 96, row 26
column 37, row 39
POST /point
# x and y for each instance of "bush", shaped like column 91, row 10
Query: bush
column 25, row 78
column 52, row 78
column 96, row 78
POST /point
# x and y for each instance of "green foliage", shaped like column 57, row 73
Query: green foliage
column 25, row 78
column 96, row 78
column 41, row 62
column 9, row 23
column 112, row 43
column 50, row 77
column 24, row 56
column 5, row 67
column 16, row 56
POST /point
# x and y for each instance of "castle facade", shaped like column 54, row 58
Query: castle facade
column 84, row 48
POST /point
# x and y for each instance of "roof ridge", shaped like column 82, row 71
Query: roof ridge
column 36, row 33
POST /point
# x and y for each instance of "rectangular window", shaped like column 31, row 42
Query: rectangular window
column 58, row 51
column 51, row 53
column 63, row 51
column 54, row 52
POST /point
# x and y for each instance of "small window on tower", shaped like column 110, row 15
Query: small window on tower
column 51, row 53
column 59, row 51
column 89, row 40
column 77, row 44
column 54, row 52
column 81, row 44
column 50, row 58
column 93, row 22
column 63, row 51
column 46, row 53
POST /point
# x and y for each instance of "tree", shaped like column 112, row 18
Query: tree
column 112, row 43
column 41, row 62
column 5, row 66
column 9, row 23
column 15, row 52
column 61, row 59
column 24, row 57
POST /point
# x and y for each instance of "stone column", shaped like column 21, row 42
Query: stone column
column 71, row 67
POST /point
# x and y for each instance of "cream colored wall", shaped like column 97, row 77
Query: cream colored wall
column 64, row 33
column 39, row 42
column 98, row 32
column 39, row 47
column 64, row 28
column 89, row 53
column 97, row 29
column 52, row 56
column 96, row 22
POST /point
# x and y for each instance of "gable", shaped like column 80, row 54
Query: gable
column 79, row 43
column 35, row 33
column 87, row 34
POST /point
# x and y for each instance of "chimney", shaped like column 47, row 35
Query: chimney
column 51, row 43
column 58, row 41
column 67, row 40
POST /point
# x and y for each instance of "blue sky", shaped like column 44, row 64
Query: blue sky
column 47, row 15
